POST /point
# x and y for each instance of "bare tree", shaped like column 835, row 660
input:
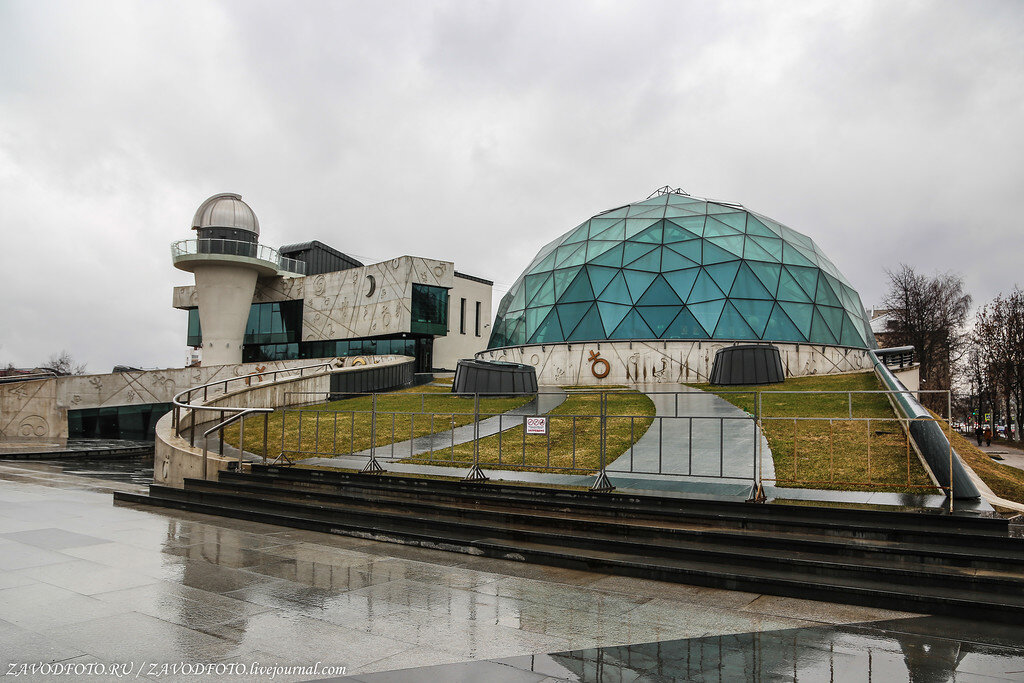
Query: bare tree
column 929, row 313
column 64, row 364
column 999, row 337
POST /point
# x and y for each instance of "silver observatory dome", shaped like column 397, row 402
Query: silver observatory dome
column 225, row 211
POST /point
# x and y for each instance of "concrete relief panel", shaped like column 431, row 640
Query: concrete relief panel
column 30, row 410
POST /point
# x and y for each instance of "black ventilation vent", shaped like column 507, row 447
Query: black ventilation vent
column 494, row 377
column 748, row 364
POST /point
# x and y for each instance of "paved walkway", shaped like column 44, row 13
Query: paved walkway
column 87, row 582
column 1008, row 455
column 696, row 435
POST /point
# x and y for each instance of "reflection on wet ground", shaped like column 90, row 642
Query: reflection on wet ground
column 82, row 580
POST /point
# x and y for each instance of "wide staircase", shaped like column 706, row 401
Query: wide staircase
column 956, row 565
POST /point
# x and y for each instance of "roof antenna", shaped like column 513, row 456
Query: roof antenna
column 668, row 189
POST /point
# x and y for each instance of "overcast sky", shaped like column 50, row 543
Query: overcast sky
column 478, row 131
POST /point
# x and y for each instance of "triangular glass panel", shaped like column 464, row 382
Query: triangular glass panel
column 767, row 273
column 748, row 286
column 772, row 245
column 731, row 325
column 692, row 226
column 789, row 289
column 564, row 278
column 723, row 274
column 633, row 251
column 752, row 251
column 850, row 336
column 682, row 210
column 616, row 231
column 756, row 227
column 685, row 326
column 569, row 315
column 733, row 244
column 647, row 212
column 834, row 318
column 808, row 254
column 773, row 227
column 548, row 331
column 659, row 294
column 755, row 313
column 737, row 220
column 682, row 281
column 801, row 315
column 797, row 237
column 616, row 291
column 568, row 253
column 597, row 247
column 590, row 327
column 704, row 289
column 635, row 226
column 820, row 332
column 632, row 327
column 651, row 235
column 612, row 315
column 651, row 261
column 806, row 277
column 712, row 253
column 691, row 249
column 638, row 282
column 533, row 283
column 658, row 317
column 792, row 256
column 545, row 264
column 600, row 276
column 518, row 301
column 781, row 328
column 534, row 317
column 600, row 224
column 707, row 314
column 579, row 290
column 545, row 294
column 518, row 333
column 656, row 200
column 715, row 228
column 611, row 258
column 671, row 260
column 578, row 235
column 824, row 294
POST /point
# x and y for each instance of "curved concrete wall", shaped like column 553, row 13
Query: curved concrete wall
column 174, row 459
column 642, row 362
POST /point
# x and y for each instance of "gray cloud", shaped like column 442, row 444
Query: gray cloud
column 477, row 132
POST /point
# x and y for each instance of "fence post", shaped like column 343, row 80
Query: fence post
column 949, row 440
column 602, row 484
column 372, row 466
column 266, row 419
column 757, row 487
column 475, row 474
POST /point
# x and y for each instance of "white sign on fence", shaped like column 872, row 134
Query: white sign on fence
column 536, row 425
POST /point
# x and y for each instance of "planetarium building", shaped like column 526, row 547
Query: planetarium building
column 648, row 292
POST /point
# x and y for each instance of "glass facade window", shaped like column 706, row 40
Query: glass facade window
column 429, row 309
column 117, row 422
column 420, row 348
column 477, row 319
column 679, row 267
column 462, row 316
column 277, row 322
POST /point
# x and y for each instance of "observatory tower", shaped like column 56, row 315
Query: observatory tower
column 226, row 260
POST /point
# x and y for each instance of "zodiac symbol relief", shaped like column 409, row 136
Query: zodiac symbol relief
column 596, row 360
column 33, row 425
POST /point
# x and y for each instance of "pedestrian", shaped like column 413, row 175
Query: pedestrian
column 988, row 435
column 979, row 432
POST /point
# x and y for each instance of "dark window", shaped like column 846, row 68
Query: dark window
column 429, row 310
column 462, row 317
column 195, row 332
column 277, row 322
column 477, row 318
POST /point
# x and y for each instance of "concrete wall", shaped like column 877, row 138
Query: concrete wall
column 175, row 460
column 371, row 301
column 457, row 345
column 911, row 377
column 663, row 361
column 39, row 408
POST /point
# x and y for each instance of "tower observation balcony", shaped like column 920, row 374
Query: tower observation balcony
column 186, row 254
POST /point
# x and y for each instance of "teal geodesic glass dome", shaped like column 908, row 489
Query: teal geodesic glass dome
column 679, row 267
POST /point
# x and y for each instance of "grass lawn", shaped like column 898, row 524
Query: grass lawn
column 573, row 439
column 341, row 427
column 833, row 452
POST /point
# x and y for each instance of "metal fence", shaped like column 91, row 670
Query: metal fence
column 851, row 443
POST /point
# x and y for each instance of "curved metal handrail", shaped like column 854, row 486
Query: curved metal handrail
column 179, row 403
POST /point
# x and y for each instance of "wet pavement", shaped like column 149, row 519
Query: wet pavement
column 87, row 582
